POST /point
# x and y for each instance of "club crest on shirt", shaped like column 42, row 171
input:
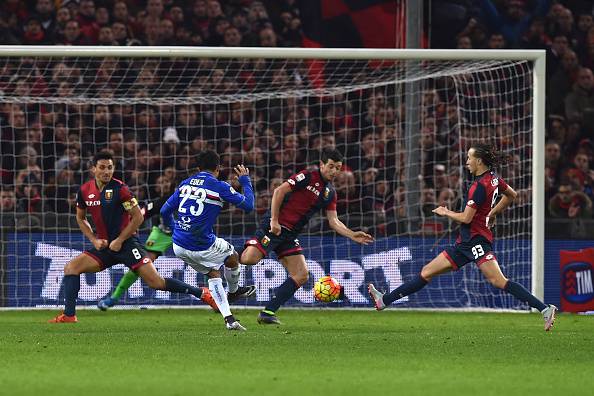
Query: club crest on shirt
column 326, row 193
column 265, row 241
column 108, row 195
column 494, row 182
column 300, row 177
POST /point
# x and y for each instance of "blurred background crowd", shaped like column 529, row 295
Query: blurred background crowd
column 46, row 146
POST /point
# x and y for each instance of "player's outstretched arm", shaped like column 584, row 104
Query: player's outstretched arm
column 338, row 226
column 460, row 217
column 85, row 227
column 246, row 200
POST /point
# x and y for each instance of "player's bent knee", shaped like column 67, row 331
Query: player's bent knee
column 232, row 261
column 250, row 256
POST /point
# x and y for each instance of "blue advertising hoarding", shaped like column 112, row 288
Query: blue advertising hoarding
column 35, row 262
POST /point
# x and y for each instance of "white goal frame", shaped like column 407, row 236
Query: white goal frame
column 538, row 103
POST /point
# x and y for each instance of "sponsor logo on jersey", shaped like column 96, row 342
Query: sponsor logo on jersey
column 313, row 190
column 489, row 257
column 150, row 243
column 91, row 196
column 495, row 182
column 145, row 260
column 265, row 241
column 232, row 190
column 470, row 203
column 252, row 242
column 93, row 203
column 108, row 195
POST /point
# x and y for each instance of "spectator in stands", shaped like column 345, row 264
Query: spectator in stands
column 463, row 42
column 496, row 41
column 562, row 82
column 570, row 204
column 553, row 167
column 86, row 19
column 580, row 175
column 28, row 195
column 267, row 38
column 515, row 18
column 536, row 37
column 347, row 193
column 232, row 37
column 166, row 32
column 584, row 24
column 7, row 199
column 563, row 25
column 34, row 33
column 72, row 34
column 44, row 12
column 559, row 45
column 579, row 104
column 106, row 36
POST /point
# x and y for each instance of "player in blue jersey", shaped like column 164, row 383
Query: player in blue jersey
column 197, row 203
column 293, row 203
column 116, row 215
column 475, row 240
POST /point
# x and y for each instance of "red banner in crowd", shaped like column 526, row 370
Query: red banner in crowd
column 577, row 280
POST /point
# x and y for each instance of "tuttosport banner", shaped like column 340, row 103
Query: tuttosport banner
column 577, row 274
column 33, row 268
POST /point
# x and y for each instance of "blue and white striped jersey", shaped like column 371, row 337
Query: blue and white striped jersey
column 198, row 201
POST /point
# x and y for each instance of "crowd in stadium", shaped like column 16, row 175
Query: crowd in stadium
column 45, row 147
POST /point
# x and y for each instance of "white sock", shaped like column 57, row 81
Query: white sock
column 232, row 277
column 215, row 285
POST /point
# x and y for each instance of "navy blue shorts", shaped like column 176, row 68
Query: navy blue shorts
column 285, row 244
column 132, row 255
column 478, row 249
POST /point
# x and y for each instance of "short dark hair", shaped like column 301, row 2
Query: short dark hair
column 330, row 154
column 208, row 160
column 102, row 155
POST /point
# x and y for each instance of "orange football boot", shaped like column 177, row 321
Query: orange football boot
column 63, row 319
column 207, row 298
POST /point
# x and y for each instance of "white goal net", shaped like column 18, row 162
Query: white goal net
column 403, row 127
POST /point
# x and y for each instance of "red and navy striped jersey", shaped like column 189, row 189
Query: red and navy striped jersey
column 309, row 193
column 482, row 196
column 108, row 208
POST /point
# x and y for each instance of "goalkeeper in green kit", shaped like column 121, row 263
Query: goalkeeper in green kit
column 158, row 242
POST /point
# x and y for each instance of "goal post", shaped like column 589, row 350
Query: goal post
column 274, row 109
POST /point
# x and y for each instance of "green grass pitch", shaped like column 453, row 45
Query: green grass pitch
column 315, row 352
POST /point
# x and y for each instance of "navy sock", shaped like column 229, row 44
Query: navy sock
column 177, row 286
column 520, row 292
column 282, row 295
column 410, row 287
column 71, row 288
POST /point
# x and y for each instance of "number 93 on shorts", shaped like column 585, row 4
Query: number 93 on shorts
column 478, row 249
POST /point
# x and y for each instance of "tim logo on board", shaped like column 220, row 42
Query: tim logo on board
column 577, row 280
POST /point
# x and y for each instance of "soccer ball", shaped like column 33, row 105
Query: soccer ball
column 326, row 289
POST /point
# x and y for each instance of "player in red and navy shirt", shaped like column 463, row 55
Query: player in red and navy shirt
column 293, row 203
column 116, row 215
column 475, row 240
